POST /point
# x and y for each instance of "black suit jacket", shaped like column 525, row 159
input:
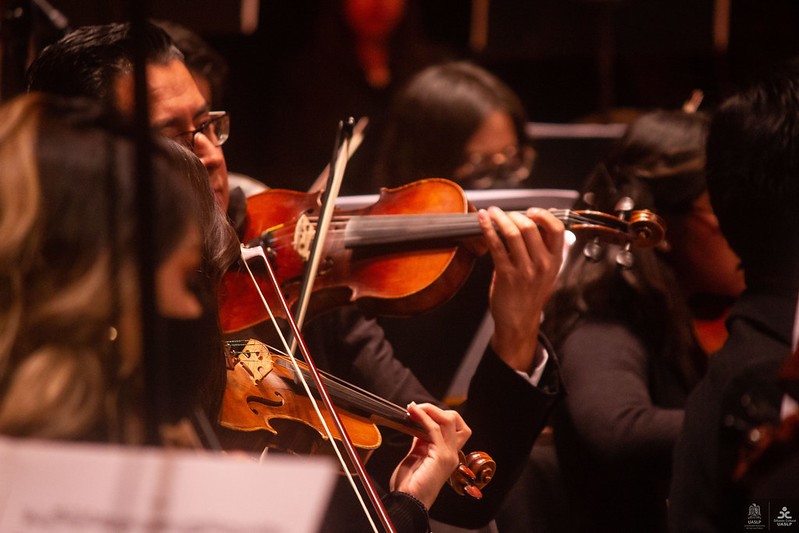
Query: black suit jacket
column 738, row 393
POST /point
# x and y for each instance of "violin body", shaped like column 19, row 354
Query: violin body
column 261, row 395
column 405, row 254
column 386, row 275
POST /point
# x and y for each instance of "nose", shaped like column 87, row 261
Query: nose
column 213, row 158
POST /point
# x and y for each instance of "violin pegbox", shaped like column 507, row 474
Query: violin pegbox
column 628, row 229
column 623, row 208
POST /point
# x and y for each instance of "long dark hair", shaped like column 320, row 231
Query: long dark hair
column 659, row 165
column 432, row 118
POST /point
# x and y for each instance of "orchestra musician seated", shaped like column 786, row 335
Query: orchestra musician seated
column 517, row 382
column 72, row 302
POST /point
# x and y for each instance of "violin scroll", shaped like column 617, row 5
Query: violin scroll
column 474, row 472
column 643, row 229
column 646, row 229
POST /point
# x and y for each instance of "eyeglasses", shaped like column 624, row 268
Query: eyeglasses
column 216, row 129
column 507, row 168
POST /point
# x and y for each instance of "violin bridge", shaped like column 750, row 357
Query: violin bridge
column 304, row 233
column 256, row 360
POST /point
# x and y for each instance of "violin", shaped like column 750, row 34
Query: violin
column 407, row 253
column 262, row 393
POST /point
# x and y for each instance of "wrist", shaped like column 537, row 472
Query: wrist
column 519, row 353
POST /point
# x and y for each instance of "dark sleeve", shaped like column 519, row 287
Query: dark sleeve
column 694, row 482
column 344, row 515
column 738, row 394
column 606, row 370
column 355, row 349
column 408, row 514
column 506, row 414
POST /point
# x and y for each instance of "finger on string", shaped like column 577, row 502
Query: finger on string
column 495, row 245
column 553, row 229
column 448, row 422
column 531, row 243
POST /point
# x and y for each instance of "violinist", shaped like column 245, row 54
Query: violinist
column 628, row 350
column 457, row 121
column 752, row 169
column 517, row 382
column 70, row 359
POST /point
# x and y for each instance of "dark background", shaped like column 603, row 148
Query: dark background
column 569, row 60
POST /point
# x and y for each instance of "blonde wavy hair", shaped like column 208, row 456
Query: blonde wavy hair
column 68, row 284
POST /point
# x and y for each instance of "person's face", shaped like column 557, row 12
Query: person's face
column 175, row 299
column 700, row 254
column 177, row 106
column 374, row 19
column 175, row 277
column 494, row 147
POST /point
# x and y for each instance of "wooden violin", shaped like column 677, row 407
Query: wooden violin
column 262, row 394
column 407, row 253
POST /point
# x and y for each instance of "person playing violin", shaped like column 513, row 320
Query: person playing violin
column 86, row 337
column 628, row 350
column 517, row 381
column 752, row 169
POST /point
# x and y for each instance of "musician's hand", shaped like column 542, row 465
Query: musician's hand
column 526, row 265
column 430, row 462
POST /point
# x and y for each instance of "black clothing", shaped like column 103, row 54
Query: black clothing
column 738, row 393
column 616, row 429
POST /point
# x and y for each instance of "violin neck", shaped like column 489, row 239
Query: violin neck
column 393, row 229
column 362, row 402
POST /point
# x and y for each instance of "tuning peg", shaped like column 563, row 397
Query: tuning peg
column 624, row 206
column 625, row 257
column 593, row 250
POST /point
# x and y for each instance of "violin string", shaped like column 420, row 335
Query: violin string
column 358, row 396
column 312, row 399
column 284, row 236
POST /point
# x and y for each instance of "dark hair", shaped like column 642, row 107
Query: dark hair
column 753, row 173
column 220, row 243
column 432, row 118
column 200, row 58
column 68, row 271
column 659, row 165
column 87, row 61
column 102, row 156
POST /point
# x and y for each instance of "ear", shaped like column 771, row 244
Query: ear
column 663, row 246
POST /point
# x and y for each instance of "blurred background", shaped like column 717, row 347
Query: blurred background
column 570, row 61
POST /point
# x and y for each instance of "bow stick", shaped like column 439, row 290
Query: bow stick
column 338, row 165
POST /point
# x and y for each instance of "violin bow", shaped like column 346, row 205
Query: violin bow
column 377, row 504
column 338, row 165
column 355, row 142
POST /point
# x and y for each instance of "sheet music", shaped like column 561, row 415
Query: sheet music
column 59, row 487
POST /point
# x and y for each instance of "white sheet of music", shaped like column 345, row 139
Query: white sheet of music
column 56, row 487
